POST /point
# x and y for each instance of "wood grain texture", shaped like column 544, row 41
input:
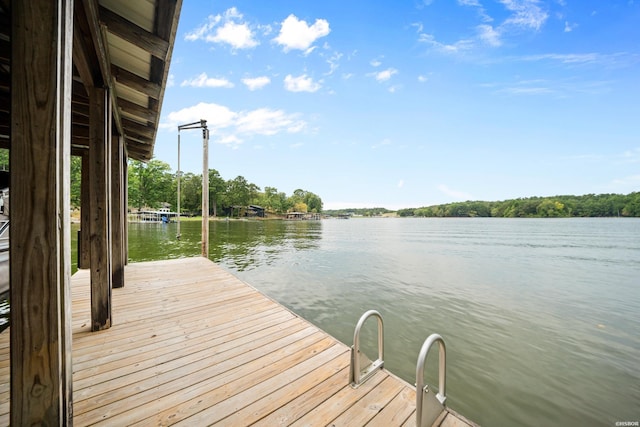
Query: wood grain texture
column 192, row 344
column 42, row 34
column 100, row 207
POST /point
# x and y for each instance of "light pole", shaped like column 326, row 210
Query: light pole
column 202, row 124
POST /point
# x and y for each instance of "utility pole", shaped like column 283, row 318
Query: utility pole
column 202, row 124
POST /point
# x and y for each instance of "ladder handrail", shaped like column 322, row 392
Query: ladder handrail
column 355, row 371
column 442, row 368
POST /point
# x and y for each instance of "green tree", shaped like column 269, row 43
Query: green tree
column 150, row 184
column 191, row 193
column 4, row 159
column 217, row 191
column 240, row 192
column 76, row 181
column 311, row 200
column 300, row 207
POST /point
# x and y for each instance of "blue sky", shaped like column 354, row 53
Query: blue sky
column 410, row 103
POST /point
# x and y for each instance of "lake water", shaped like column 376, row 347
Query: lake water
column 541, row 317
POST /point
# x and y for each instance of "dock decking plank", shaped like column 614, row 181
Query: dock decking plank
column 362, row 411
column 193, row 345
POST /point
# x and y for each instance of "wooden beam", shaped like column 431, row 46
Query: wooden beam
column 40, row 268
column 143, row 113
column 99, row 43
column 136, row 82
column 134, row 34
column 139, row 153
column 99, row 37
column 166, row 26
column 81, row 59
column 99, row 222
column 132, row 127
column 125, row 179
column 118, row 211
column 84, row 239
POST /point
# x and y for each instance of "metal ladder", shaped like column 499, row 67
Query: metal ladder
column 358, row 374
column 429, row 403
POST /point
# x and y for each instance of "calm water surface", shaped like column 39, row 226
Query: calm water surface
column 541, row 317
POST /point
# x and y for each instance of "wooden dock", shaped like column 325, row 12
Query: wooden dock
column 193, row 345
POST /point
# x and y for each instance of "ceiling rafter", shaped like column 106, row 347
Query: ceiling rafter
column 134, row 34
column 104, row 33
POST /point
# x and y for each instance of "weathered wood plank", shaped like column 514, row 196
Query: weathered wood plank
column 237, row 358
column 134, row 34
column 100, row 208
column 118, row 211
column 41, row 73
column 204, row 377
column 399, row 410
column 337, row 403
column 311, row 358
column 193, row 354
column 362, row 411
column 84, row 239
column 274, row 399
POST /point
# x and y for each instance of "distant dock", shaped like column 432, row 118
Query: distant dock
column 192, row 344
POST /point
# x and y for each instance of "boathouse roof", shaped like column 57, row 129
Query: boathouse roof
column 122, row 45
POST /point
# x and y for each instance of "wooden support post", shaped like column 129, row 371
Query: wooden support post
column 125, row 180
column 118, row 213
column 205, row 192
column 41, row 73
column 99, row 159
column 84, row 255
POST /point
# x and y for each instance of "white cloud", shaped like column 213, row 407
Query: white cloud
column 459, row 46
column 521, row 15
column 481, row 11
column 540, row 90
column 385, row 75
column 227, row 28
column 264, row 121
column 334, row 63
column 204, row 81
column 569, row 27
column 567, row 58
column 239, row 36
column 489, row 35
column 232, row 128
column 256, row 83
column 301, row 83
column 454, row 194
column 401, row 183
column 217, row 116
column 526, row 14
column 171, row 81
column 230, row 140
column 375, row 63
column 297, row 34
column 422, row 78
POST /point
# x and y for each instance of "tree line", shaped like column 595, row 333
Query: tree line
column 153, row 185
column 589, row 205
column 366, row 212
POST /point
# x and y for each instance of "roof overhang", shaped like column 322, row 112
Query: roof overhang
column 122, row 45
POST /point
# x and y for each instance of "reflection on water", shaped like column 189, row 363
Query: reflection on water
column 540, row 317
column 237, row 245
